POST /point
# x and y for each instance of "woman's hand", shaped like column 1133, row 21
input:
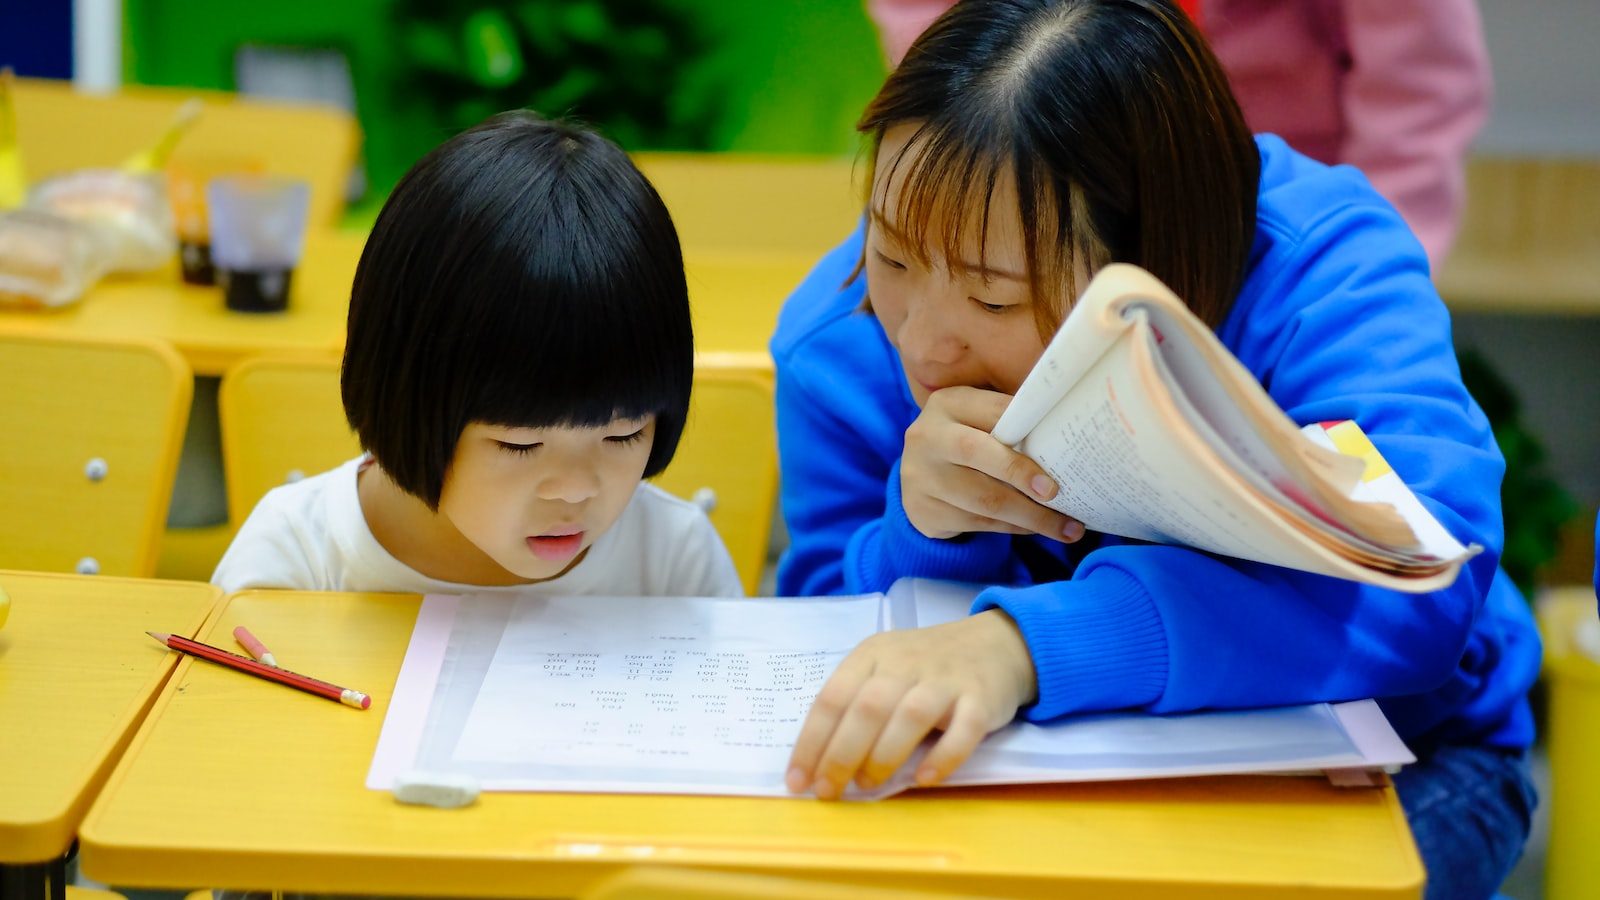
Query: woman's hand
column 965, row 678
column 956, row 478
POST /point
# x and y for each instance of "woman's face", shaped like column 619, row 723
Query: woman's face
column 953, row 322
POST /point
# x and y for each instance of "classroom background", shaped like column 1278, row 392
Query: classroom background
column 750, row 138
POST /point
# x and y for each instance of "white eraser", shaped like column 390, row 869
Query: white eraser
column 446, row 790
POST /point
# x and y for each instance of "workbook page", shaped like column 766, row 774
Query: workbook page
column 706, row 696
column 587, row 693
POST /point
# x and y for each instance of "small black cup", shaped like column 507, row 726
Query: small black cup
column 255, row 291
column 194, row 259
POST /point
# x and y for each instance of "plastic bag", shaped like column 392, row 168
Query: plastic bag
column 46, row 260
column 128, row 213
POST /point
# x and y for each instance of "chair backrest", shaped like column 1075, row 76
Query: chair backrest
column 722, row 202
column 282, row 418
column 60, row 129
column 93, row 430
column 728, row 458
column 1528, row 240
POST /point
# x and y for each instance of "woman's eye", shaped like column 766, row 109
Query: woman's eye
column 519, row 449
column 995, row 308
column 891, row 263
column 626, row 438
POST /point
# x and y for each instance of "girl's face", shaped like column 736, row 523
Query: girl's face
column 953, row 322
column 534, row 499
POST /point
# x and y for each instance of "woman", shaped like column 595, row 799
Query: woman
column 1020, row 146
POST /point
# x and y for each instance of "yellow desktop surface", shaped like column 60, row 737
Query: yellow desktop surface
column 77, row 674
column 735, row 298
column 238, row 782
column 193, row 319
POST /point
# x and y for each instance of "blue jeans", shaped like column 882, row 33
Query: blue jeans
column 1470, row 809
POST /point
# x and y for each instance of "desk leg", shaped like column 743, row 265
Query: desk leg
column 35, row 881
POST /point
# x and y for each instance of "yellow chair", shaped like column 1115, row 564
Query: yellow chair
column 736, row 297
column 1572, row 672
column 723, row 202
column 659, row 883
column 282, row 419
column 92, row 431
column 60, row 129
column 1528, row 241
column 728, row 458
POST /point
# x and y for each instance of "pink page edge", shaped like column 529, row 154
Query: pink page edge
column 413, row 691
column 1372, row 734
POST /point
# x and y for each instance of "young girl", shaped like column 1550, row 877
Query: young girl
column 1020, row 146
column 519, row 357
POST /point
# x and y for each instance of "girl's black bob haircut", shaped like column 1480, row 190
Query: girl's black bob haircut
column 524, row 273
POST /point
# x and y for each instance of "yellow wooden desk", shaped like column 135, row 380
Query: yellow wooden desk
column 211, row 337
column 234, row 781
column 77, row 674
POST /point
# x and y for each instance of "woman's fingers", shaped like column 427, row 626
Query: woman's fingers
column 827, row 710
column 858, row 731
column 951, row 456
column 973, row 407
column 964, row 678
column 968, row 725
column 922, row 710
column 984, row 499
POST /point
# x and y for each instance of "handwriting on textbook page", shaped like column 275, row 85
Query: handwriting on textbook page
column 664, row 685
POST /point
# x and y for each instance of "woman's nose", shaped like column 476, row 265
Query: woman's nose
column 927, row 334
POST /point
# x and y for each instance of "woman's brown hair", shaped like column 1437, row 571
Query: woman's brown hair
column 1117, row 122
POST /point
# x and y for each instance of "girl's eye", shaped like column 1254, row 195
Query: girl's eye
column 891, row 263
column 992, row 308
column 627, row 438
column 519, row 449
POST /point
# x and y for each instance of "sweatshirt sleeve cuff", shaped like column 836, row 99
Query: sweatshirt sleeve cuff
column 900, row 550
column 1097, row 643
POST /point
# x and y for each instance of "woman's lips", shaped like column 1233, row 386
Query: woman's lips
column 556, row 547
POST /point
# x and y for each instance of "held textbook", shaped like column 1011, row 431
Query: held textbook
column 687, row 695
column 1154, row 431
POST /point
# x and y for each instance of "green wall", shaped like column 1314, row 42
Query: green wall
column 790, row 76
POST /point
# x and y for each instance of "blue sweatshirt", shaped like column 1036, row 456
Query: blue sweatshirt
column 1339, row 319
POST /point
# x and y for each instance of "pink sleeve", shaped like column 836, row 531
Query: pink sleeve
column 1416, row 94
column 900, row 22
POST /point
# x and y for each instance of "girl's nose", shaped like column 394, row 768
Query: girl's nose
column 570, row 482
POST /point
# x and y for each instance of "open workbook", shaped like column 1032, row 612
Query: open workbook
column 1153, row 430
column 706, row 696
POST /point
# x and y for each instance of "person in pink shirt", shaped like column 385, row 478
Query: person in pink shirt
column 1397, row 88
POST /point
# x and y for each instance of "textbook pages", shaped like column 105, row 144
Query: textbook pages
column 705, row 696
column 1154, row 431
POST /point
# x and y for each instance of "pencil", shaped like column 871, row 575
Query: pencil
column 272, row 673
column 253, row 646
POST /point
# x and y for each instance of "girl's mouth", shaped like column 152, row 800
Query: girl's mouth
column 556, row 547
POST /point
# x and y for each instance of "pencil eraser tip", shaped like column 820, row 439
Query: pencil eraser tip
column 445, row 790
